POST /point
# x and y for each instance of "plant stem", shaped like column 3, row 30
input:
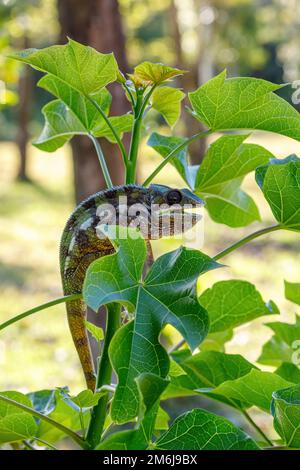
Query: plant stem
column 102, row 161
column 103, row 378
column 174, row 152
column 246, row 240
column 28, row 445
column 49, row 420
column 130, row 95
column 106, row 119
column 255, row 426
column 60, row 300
column 37, row 439
column 140, row 106
column 135, row 140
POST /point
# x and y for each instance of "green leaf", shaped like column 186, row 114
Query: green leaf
column 289, row 372
column 230, row 205
column 81, row 106
column 164, row 145
column 212, row 368
column 286, row 412
column 124, row 440
column 80, row 67
column 292, row 291
column 201, row 430
column 121, row 124
column 220, row 175
column 154, row 74
column 86, row 399
column 252, row 389
column 232, row 303
column 95, row 331
column 162, row 420
column 167, row 101
column 15, row 424
column 61, row 124
column 229, row 158
column 217, row 341
column 280, row 184
column 166, row 296
column 284, row 345
column 244, row 103
column 43, row 401
column 203, row 372
column 150, row 388
column 64, row 414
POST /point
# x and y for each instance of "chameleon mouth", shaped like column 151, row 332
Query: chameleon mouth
column 176, row 213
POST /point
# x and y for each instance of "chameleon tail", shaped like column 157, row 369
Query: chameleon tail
column 76, row 312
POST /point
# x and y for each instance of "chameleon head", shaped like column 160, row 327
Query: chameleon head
column 169, row 210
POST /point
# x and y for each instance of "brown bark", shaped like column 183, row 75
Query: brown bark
column 96, row 23
column 23, row 116
column 189, row 82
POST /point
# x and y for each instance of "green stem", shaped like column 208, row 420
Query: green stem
column 60, row 300
column 130, row 95
column 135, row 140
column 102, row 161
column 255, row 426
column 106, row 119
column 246, row 240
column 103, row 378
column 28, row 445
column 174, row 152
column 37, row 439
column 47, row 419
column 141, row 104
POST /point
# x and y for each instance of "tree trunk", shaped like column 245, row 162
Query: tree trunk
column 23, row 115
column 96, row 23
column 189, row 82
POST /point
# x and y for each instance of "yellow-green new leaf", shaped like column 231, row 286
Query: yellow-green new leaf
column 154, row 73
column 167, row 101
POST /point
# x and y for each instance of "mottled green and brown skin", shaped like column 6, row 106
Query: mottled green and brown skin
column 81, row 245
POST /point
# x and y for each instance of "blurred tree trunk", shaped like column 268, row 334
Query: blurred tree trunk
column 96, row 23
column 23, row 115
column 189, row 82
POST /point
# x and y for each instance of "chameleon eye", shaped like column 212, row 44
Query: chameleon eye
column 174, row 196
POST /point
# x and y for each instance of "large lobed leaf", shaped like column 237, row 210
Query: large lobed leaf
column 252, row 389
column 232, row 303
column 75, row 74
column 244, row 103
column 202, row 430
column 166, row 296
column 218, row 179
column 78, row 66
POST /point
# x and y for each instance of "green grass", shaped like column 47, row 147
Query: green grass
column 38, row 352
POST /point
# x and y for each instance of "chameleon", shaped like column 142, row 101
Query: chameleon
column 81, row 243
